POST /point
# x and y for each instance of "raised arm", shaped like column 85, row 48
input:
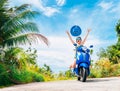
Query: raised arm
column 84, row 40
column 70, row 37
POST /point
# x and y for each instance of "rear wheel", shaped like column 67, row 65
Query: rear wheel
column 79, row 78
column 83, row 73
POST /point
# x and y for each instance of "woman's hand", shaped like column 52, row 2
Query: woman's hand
column 89, row 30
column 67, row 32
column 70, row 37
column 84, row 40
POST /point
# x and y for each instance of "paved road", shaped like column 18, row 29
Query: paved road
column 101, row 84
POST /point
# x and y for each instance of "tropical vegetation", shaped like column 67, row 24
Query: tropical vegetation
column 109, row 59
column 17, row 27
column 18, row 65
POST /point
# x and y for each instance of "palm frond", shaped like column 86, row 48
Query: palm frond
column 19, row 19
column 3, row 19
column 15, row 25
column 28, row 14
column 3, row 8
column 3, row 3
column 22, row 28
column 10, row 24
column 32, row 37
column 22, row 8
column 15, row 41
column 24, row 39
column 14, row 11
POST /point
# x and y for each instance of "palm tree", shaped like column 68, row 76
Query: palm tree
column 19, row 58
column 118, row 34
column 16, row 27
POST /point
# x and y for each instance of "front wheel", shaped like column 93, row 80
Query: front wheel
column 79, row 78
column 83, row 74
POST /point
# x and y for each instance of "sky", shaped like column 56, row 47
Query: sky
column 57, row 16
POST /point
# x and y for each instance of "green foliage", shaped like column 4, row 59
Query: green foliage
column 19, row 66
column 118, row 28
column 47, row 72
column 105, row 68
column 17, row 28
column 25, row 76
column 102, row 53
column 20, row 76
column 50, row 76
column 4, row 75
column 115, row 70
column 68, row 74
column 61, row 76
column 19, row 57
column 95, row 73
column 112, row 52
column 37, row 77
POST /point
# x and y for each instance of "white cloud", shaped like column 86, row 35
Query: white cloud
column 116, row 9
column 48, row 11
column 60, row 2
column 105, row 5
column 59, row 54
column 112, row 8
column 74, row 11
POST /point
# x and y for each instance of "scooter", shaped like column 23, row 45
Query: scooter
column 82, row 69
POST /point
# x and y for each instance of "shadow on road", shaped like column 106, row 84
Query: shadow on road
column 96, row 80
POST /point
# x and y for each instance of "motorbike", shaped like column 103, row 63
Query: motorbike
column 82, row 69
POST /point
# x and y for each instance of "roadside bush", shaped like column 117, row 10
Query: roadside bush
column 20, row 76
column 4, row 75
column 25, row 76
column 61, row 76
column 95, row 73
column 101, row 68
column 37, row 77
column 67, row 75
column 47, row 72
column 115, row 70
column 104, row 68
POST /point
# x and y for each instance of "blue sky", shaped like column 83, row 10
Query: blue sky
column 57, row 16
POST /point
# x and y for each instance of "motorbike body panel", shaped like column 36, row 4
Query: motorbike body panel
column 82, row 60
column 85, row 65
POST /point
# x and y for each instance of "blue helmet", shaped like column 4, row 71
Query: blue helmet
column 75, row 30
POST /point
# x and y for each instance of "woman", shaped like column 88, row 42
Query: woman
column 79, row 42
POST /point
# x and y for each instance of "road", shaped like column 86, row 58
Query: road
column 99, row 84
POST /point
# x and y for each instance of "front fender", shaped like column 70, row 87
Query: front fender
column 85, row 65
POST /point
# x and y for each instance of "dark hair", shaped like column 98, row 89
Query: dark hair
column 78, row 38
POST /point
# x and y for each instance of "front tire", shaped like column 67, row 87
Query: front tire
column 83, row 73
